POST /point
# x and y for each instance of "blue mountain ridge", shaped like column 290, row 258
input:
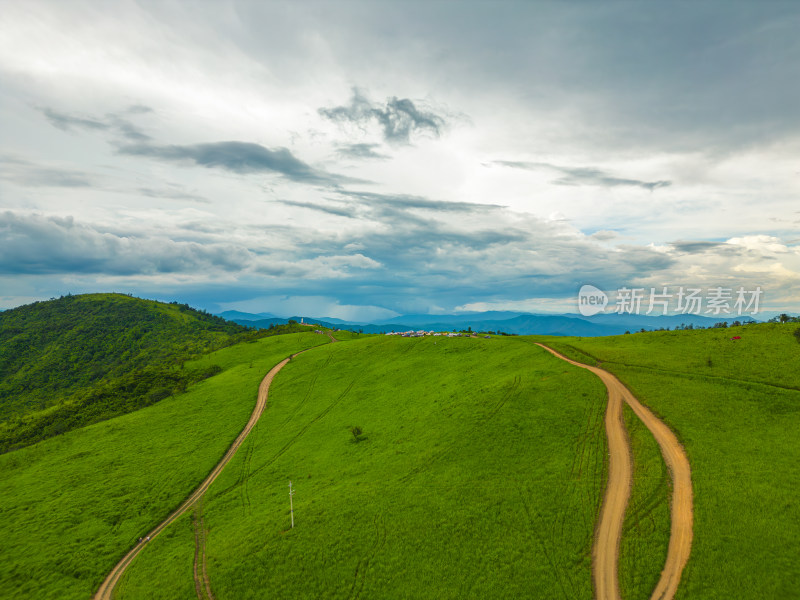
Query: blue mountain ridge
column 507, row 322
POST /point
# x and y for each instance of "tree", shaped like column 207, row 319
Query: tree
column 357, row 433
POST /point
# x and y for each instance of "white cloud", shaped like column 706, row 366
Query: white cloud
column 438, row 222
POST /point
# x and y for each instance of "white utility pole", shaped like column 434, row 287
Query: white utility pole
column 291, row 505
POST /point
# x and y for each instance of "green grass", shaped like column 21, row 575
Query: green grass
column 645, row 533
column 171, row 555
column 71, row 506
column 766, row 353
column 742, row 444
column 478, row 474
column 735, row 406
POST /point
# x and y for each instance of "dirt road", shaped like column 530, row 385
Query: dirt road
column 107, row 587
column 605, row 553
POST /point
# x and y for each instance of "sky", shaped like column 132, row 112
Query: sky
column 361, row 160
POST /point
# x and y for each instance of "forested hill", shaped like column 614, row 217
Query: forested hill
column 76, row 360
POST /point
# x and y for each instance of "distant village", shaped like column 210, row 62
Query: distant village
column 420, row 333
column 411, row 333
column 423, row 333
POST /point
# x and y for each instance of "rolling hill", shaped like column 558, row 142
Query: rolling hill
column 425, row 467
column 77, row 360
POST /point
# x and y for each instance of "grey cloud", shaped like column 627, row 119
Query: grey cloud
column 645, row 260
column 398, row 117
column 128, row 130
column 331, row 210
column 393, row 209
column 694, row 247
column 111, row 123
column 584, row 175
column 238, row 157
column 405, row 201
column 604, row 235
column 36, row 244
column 67, row 122
column 174, row 194
column 139, row 109
column 361, row 151
column 711, row 75
column 57, row 178
column 29, row 174
column 435, row 260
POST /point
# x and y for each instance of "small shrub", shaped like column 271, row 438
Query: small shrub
column 357, row 432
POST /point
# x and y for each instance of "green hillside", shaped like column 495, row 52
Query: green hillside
column 423, row 468
column 77, row 360
column 71, row 506
column 735, row 405
column 477, row 473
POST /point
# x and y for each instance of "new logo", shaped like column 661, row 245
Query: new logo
column 591, row 300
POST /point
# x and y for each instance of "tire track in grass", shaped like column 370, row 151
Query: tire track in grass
column 305, row 428
column 202, row 585
column 647, row 517
column 363, row 564
column 435, row 456
column 308, row 392
column 588, row 462
column 106, row 589
column 533, row 530
column 612, row 513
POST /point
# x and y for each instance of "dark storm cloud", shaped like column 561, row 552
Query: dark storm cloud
column 238, row 157
column 398, row 117
column 584, row 175
column 361, row 151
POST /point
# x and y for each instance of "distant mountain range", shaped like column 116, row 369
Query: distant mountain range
column 498, row 321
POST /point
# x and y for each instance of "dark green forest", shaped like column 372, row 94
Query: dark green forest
column 76, row 360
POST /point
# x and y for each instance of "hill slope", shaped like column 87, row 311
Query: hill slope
column 735, row 405
column 80, row 359
column 72, row 505
column 477, row 473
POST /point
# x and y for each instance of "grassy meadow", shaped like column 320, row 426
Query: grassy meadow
column 72, row 505
column 735, row 405
column 477, row 473
column 423, row 468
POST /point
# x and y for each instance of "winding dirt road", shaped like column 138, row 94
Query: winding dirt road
column 605, row 553
column 107, row 587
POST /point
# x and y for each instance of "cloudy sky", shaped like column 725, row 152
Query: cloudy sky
column 360, row 160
